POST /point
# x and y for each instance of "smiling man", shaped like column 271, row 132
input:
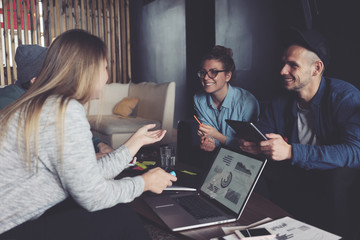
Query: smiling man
column 314, row 132
column 316, row 123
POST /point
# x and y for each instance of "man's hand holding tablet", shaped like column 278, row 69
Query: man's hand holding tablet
column 250, row 136
column 247, row 131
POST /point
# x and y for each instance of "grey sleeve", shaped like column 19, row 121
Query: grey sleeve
column 89, row 181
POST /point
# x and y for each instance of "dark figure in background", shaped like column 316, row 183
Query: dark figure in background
column 29, row 60
column 314, row 138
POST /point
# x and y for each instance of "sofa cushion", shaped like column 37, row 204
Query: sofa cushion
column 152, row 99
column 112, row 124
column 112, row 94
column 126, row 106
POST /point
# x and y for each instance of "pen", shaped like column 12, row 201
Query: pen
column 197, row 120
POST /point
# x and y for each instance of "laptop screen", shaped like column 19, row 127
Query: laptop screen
column 232, row 178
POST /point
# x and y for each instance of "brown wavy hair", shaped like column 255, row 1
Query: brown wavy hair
column 223, row 55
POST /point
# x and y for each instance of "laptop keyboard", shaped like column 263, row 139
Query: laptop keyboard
column 197, row 207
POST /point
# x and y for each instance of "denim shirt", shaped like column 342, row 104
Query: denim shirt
column 238, row 104
column 336, row 111
column 9, row 94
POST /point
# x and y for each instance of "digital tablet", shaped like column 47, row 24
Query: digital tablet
column 246, row 130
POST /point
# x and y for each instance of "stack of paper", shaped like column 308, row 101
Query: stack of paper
column 289, row 228
column 280, row 229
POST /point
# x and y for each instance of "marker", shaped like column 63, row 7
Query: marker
column 188, row 172
column 197, row 120
column 173, row 173
column 149, row 163
column 143, row 166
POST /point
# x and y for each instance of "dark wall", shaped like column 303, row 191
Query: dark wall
column 158, row 45
column 200, row 37
column 252, row 29
column 169, row 37
column 340, row 23
column 249, row 29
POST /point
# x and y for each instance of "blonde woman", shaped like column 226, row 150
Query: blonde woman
column 39, row 170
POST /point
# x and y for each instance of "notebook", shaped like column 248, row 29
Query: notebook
column 223, row 194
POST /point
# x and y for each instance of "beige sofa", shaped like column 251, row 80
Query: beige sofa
column 156, row 105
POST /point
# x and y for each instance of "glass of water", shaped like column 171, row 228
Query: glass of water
column 165, row 155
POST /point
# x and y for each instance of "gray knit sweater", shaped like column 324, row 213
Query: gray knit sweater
column 26, row 193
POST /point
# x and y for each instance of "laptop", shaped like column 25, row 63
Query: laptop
column 221, row 198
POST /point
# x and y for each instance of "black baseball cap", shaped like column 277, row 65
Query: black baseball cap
column 309, row 39
column 29, row 60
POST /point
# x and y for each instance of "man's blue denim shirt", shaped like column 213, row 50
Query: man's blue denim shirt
column 336, row 111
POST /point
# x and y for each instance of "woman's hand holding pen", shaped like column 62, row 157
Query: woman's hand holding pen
column 207, row 130
column 210, row 131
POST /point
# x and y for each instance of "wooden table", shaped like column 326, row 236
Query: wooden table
column 256, row 209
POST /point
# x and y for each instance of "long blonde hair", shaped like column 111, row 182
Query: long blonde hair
column 70, row 71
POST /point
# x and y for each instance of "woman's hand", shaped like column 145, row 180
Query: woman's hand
column 210, row 131
column 143, row 137
column 148, row 137
column 207, row 130
column 156, row 180
column 207, row 143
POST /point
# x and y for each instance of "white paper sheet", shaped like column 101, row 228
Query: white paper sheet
column 289, row 228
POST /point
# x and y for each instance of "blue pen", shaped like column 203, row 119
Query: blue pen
column 173, row 173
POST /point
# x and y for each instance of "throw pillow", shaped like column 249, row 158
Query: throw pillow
column 126, row 106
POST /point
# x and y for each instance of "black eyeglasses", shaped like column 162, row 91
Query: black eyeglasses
column 212, row 73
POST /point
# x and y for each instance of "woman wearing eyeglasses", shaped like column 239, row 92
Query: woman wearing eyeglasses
column 218, row 100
